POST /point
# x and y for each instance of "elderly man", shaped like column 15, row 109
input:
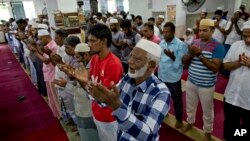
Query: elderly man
column 204, row 60
column 50, row 46
column 141, row 100
column 237, row 97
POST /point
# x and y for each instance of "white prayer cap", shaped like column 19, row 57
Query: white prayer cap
column 43, row 32
column 190, row 30
column 94, row 16
column 104, row 16
column 204, row 10
column 43, row 26
column 161, row 16
column 82, row 47
column 246, row 25
column 219, row 8
column 113, row 20
column 120, row 16
column 149, row 47
column 45, row 20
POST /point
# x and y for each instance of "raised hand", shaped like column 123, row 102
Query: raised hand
column 170, row 54
column 103, row 94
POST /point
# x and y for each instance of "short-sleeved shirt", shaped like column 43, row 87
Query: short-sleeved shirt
column 169, row 70
column 116, row 37
column 198, row 73
column 107, row 70
column 49, row 69
column 233, row 36
column 237, row 90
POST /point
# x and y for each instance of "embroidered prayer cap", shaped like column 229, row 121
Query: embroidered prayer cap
column 43, row 26
column 161, row 16
column 43, row 32
column 82, row 47
column 207, row 22
column 113, row 20
column 149, row 47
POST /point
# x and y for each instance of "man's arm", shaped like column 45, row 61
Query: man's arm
column 231, row 65
column 213, row 65
column 147, row 126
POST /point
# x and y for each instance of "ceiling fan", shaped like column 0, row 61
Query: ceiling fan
column 193, row 5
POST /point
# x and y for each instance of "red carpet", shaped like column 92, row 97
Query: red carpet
column 31, row 119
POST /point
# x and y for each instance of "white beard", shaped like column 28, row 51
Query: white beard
column 138, row 73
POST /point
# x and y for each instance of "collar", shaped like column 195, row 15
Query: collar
column 172, row 42
column 144, row 85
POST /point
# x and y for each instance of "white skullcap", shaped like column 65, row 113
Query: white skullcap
column 104, row 16
column 82, row 47
column 190, row 30
column 43, row 32
column 94, row 16
column 149, row 47
column 219, row 8
column 43, row 26
column 113, row 21
column 161, row 16
column 45, row 20
column 120, row 16
column 246, row 25
column 204, row 10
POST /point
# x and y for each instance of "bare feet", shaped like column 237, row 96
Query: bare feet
column 187, row 127
column 207, row 137
column 178, row 124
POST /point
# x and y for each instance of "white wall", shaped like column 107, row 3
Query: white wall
column 137, row 7
column 39, row 5
column 67, row 5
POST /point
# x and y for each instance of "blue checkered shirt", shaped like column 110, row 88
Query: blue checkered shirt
column 143, row 109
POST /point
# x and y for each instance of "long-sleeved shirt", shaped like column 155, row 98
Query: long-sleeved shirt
column 169, row 70
column 143, row 109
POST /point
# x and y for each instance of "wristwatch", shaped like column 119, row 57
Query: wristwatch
column 200, row 56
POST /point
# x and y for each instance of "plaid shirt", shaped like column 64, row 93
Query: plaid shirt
column 143, row 109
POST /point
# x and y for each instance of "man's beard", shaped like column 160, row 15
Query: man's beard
column 138, row 73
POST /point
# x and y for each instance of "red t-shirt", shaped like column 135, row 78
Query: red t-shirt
column 107, row 70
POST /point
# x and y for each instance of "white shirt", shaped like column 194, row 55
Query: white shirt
column 233, row 36
column 157, row 31
column 188, row 39
column 217, row 33
column 59, row 74
column 238, row 91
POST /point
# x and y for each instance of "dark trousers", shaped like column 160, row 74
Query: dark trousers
column 176, row 94
column 236, row 118
column 40, row 78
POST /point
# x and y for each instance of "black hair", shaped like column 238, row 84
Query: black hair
column 72, row 41
column 101, row 31
column 150, row 26
column 151, row 19
column 218, row 12
column 171, row 25
column 99, row 14
column 62, row 33
column 125, row 24
column 21, row 21
column 138, row 17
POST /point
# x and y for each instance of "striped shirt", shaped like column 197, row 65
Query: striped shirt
column 198, row 73
column 143, row 109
